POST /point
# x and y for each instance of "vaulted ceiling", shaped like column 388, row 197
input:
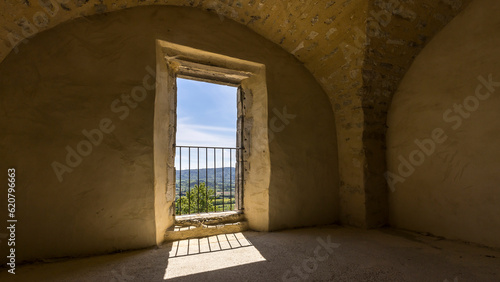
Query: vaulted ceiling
column 358, row 50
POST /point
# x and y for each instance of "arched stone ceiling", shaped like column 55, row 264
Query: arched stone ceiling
column 358, row 50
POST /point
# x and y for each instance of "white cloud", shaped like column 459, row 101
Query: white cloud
column 203, row 135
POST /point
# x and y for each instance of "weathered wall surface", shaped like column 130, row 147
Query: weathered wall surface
column 397, row 31
column 357, row 50
column 448, row 104
column 72, row 77
column 304, row 172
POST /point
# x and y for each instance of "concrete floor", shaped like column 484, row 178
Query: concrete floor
column 329, row 253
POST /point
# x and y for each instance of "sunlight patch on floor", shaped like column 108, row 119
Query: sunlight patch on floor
column 195, row 256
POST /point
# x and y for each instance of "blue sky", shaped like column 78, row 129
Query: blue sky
column 206, row 116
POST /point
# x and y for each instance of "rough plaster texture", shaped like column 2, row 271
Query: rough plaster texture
column 291, row 255
column 397, row 31
column 67, row 79
column 203, row 231
column 176, row 60
column 455, row 192
column 358, row 50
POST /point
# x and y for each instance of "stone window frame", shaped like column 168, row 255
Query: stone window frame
column 172, row 61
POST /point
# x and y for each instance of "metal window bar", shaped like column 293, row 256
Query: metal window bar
column 223, row 186
column 189, row 182
column 215, row 177
column 230, row 180
column 198, row 198
column 180, row 179
column 206, row 178
column 218, row 201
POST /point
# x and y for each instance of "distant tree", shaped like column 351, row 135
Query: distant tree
column 199, row 199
